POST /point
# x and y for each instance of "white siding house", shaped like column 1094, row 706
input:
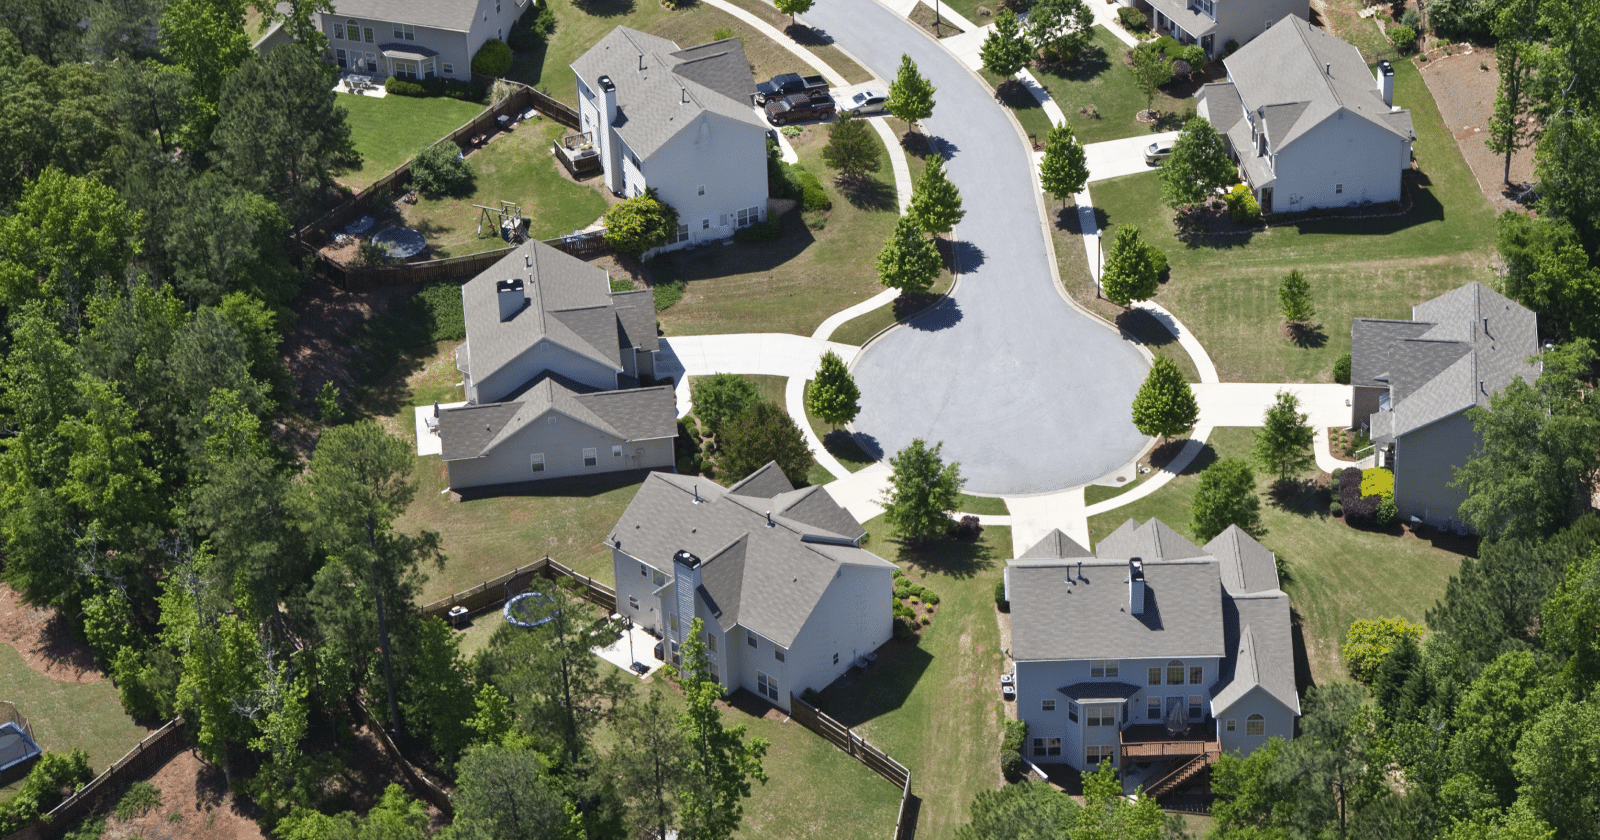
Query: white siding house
column 1214, row 23
column 415, row 39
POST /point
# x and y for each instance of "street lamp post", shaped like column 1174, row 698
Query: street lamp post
column 1100, row 252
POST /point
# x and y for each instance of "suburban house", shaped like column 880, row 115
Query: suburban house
column 680, row 122
column 1150, row 651
column 1307, row 123
column 1214, row 23
column 1412, row 382
column 413, row 39
column 789, row 598
column 551, row 367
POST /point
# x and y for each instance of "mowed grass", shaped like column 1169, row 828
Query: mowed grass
column 1337, row 573
column 388, row 131
column 518, row 167
column 935, row 706
column 1224, row 288
column 1101, row 77
column 67, row 716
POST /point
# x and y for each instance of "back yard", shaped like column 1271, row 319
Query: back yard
column 388, row 131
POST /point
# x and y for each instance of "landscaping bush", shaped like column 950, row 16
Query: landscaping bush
column 1158, row 258
column 1242, row 206
column 1411, row 18
column 53, row 778
column 1387, row 513
column 402, row 87
column 439, row 170
column 453, row 89
column 1132, row 20
column 1358, row 509
column 1370, row 641
column 1336, row 509
column 902, row 589
column 1011, row 764
column 1341, row 369
column 1403, row 37
column 916, row 590
column 930, row 597
column 812, row 195
column 493, row 58
column 768, row 231
column 140, row 799
column 903, row 631
column 1337, row 471
column 1014, row 736
column 1377, row 481
column 1000, row 596
column 1230, row 48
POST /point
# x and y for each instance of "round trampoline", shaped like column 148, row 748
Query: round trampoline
column 360, row 226
column 520, row 610
column 401, row 243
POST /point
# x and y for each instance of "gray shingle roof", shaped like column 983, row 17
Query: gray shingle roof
column 455, row 15
column 1222, row 106
column 1372, row 342
column 1151, row 541
column 1245, row 565
column 1058, row 614
column 1260, row 650
column 813, row 506
column 1193, row 22
column 779, row 575
column 1255, row 166
column 1099, row 692
column 663, row 90
column 636, row 414
column 764, row 483
column 1055, row 546
column 1302, row 76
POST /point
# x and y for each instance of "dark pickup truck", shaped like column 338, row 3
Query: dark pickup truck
column 800, row 106
column 784, row 84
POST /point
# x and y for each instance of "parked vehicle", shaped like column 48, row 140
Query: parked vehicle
column 865, row 102
column 784, row 84
column 1158, row 152
column 800, row 107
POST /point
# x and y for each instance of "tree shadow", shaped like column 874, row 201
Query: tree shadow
column 1308, row 336
column 1014, row 95
column 869, row 194
column 1091, row 62
column 868, row 444
column 841, row 444
column 808, row 36
column 1145, row 327
column 916, row 144
column 942, row 316
column 609, row 8
column 858, row 697
column 962, row 254
column 1303, row 680
column 1204, row 458
column 942, row 147
column 1170, row 120
column 943, row 554
column 1306, row 497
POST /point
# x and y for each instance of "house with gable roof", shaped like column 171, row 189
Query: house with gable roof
column 788, row 596
column 409, row 39
column 1412, row 383
column 680, row 122
column 1214, row 23
column 551, row 368
column 1150, row 649
column 1309, row 125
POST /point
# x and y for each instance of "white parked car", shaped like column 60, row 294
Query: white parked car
column 865, row 102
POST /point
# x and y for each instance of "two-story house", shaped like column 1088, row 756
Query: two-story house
column 1214, row 23
column 680, row 122
column 1150, row 650
column 1412, row 383
column 1309, row 125
column 415, row 39
column 788, row 597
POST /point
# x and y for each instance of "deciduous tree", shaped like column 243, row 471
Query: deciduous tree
column 922, row 490
column 508, row 794
column 1225, row 496
column 794, row 7
column 1027, row 810
column 722, row 760
column 909, row 261
column 1198, row 168
column 206, row 38
column 833, row 396
column 65, row 239
column 910, row 95
column 1131, row 273
column 853, row 148
column 1065, row 168
column 650, row 762
column 1561, row 747
column 1150, row 72
column 935, row 201
column 1283, row 443
column 1294, row 298
column 1165, row 405
column 637, row 224
column 1059, row 28
column 1370, row 640
column 1005, row 51
column 1517, row 46
column 720, row 396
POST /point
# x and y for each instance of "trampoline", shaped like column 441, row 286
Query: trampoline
column 17, row 752
column 518, row 610
column 401, row 243
column 360, row 226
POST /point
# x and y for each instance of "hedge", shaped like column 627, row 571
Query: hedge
column 768, row 231
column 1358, row 509
column 449, row 88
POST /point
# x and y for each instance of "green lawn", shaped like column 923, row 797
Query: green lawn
column 516, row 167
column 935, row 706
column 67, row 715
column 830, row 55
column 1102, row 78
column 1225, row 288
column 388, row 131
column 985, row 505
column 1337, row 574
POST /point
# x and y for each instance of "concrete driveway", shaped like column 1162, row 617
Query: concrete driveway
column 1115, row 158
column 1028, row 393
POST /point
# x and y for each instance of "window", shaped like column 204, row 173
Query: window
column 591, row 456
column 672, row 621
column 536, row 461
column 702, row 189
column 338, row 31
column 1100, row 714
column 1047, row 706
column 1052, row 746
column 1072, row 711
column 1102, row 668
column 368, row 35
column 705, row 224
column 1152, row 708
column 550, row 421
column 1094, row 755
column 643, row 570
column 1338, row 188
column 748, row 217
column 372, row 61
column 1038, row 746
column 448, row 68
column 711, row 644
column 750, row 640
column 658, row 578
column 616, row 452
column 633, row 603
column 1196, row 673
column 683, row 234
column 1155, row 676
column 339, row 59
column 1174, row 673
column 1194, row 708
column 777, row 653
column 404, row 69
column 766, row 685
column 1228, row 726
column 352, row 30
column 675, row 659
column 1255, row 725
column 836, row 659
column 405, row 32
column 714, row 675
column 427, row 69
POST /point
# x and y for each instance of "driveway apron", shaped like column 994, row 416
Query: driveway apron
column 1028, row 393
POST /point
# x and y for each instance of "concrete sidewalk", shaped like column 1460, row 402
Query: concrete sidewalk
column 897, row 161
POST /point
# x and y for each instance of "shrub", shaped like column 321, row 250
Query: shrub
column 1000, row 596
column 930, row 597
column 1403, row 37
column 493, row 58
column 898, row 573
column 1337, row 471
column 1341, row 369
column 138, row 801
column 1370, row 640
column 1230, row 48
column 535, row 26
column 812, row 195
column 768, row 231
column 1011, row 764
column 1410, row 18
column 1377, row 481
column 1387, row 513
column 1242, row 206
column 916, row 590
column 453, row 89
column 402, row 87
column 637, row 224
column 1336, row 509
column 1158, row 258
column 927, row 620
column 902, row 590
column 1014, row 735
column 439, row 170
column 53, row 778
column 903, row 631
column 1132, row 20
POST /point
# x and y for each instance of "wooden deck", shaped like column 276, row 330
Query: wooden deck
column 1144, row 742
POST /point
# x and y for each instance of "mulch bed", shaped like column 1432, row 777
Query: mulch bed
column 1464, row 92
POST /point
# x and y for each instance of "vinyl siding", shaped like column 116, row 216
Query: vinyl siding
column 1343, row 150
column 725, row 156
column 546, row 355
column 1279, row 722
column 631, row 584
column 1426, row 461
column 1242, row 20
column 452, row 47
column 853, row 617
column 1364, row 403
column 562, row 443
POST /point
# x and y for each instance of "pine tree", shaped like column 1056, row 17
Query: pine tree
column 1294, row 298
column 1283, row 443
column 1005, row 51
column 853, row 149
column 935, row 202
column 909, row 262
column 1131, row 273
column 833, row 396
column 1065, row 169
column 910, row 95
column 1165, row 405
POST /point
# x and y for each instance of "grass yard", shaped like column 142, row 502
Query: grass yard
column 1337, row 574
column 1225, row 288
column 813, row 790
column 517, row 167
column 819, row 44
column 839, row 443
column 388, row 131
column 68, row 715
column 1102, row 78
column 935, row 706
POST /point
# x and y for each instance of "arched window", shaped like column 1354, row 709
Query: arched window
column 1255, row 725
column 1175, row 672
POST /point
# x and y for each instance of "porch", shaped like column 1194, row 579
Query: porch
column 1184, row 20
column 1170, row 761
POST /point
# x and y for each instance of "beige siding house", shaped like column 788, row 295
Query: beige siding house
column 415, row 39
column 1213, row 23
column 1150, row 651
column 1309, row 125
column 1412, row 383
column 679, row 122
column 551, row 368
column 788, row 597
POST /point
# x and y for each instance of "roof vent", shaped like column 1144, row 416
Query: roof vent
column 770, row 523
column 1328, row 68
column 1486, row 325
column 697, row 494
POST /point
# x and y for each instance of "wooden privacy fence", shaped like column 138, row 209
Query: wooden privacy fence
column 430, row 791
column 876, row 760
column 493, row 593
column 155, row 750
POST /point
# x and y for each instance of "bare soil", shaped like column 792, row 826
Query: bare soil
column 195, row 805
column 40, row 634
column 1464, row 91
column 321, row 346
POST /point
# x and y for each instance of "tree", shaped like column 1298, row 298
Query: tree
column 1131, row 272
column 722, row 761
column 853, row 149
column 206, row 38
column 1559, row 749
column 1535, row 469
column 909, row 261
column 1065, row 168
column 794, row 7
column 761, row 433
column 1370, row 640
column 922, row 490
column 720, row 396
column 1283, row 443
column 1109, row 814
column 1517, row 48
column 438, row 688
column 1548, row 271
column 53, row 778
column 1226, row 496
column 1059, row 28
column 637, row 224
column 1569, row 619
column 1569, row 183
column 1165, row 405
column 1027, row 810
column 1005, row 51
column 1496, row 710
column 833, row 396
column 492, row 59
column 1294, row 298
column 910, row 95
column 65, row 239
column 207, row 261
column 508, row 794
column 1150, row 72
column 1199, row 165
column 935, row 202
column 1334, row 765
column 440, row 170
column 650, row 762
column 1249, row 798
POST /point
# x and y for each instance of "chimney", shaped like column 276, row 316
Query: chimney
column 511, row 297
column 1136, row 586
column 686, row 579
column 610, row 158
column 1386, row 82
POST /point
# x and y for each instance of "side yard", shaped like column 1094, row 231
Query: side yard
column 68, row 715
column 388, row 131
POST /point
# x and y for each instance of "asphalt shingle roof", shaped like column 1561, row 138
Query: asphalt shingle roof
column 636, row 414
column 1055, row 546
column 1102, row 692
column 1151, row 541
column 1194, row 23
column 1260, row 650
column 1372, row 342
column 456, row 16
column 1222, row 105
column 1246, row 565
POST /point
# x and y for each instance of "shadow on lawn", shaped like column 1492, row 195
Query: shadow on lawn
column 856, row 698
column 1302, row 660
column 945, row 555
column 1092, row 61
column 841, row 444
column 581, row 487
column 609, row 8
column 1307, row 497
column 718, row 260
column 869, row 194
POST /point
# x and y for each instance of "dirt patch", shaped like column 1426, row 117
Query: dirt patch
column 40, row 635
column 1464, row 86
column 320, row 346
column 195, row 805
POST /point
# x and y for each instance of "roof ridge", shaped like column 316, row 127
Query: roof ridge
column 1327, row 78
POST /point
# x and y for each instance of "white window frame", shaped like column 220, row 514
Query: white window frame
column 1152, row 708
column 1230, row 726
column 616, row 452
column 1197, row 674
column 339, row 57
column 352, row 30
column 1338, row 189
column 591, row 456
column 683, row 234
column 1176, row 672
column 633, row 603
column 448, row 68
column 777, row 653
column 1094, row 754
column 766, row 685
column 405, row 32
column 1255, row 725
column 711, row 643
column 1155, row 677
column 1047, row 705
column 338, row 31
column 750, row 639
column 1196, row 708
column 369, row 35
column 1100, row 669
column 536, row 462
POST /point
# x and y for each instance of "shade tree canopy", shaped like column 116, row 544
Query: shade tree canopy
column 1198, row 168
column 1065, row 169
column 910, row 94
column 922, row 491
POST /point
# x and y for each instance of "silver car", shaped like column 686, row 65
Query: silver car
column 1158, row 152
column 865, row 102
